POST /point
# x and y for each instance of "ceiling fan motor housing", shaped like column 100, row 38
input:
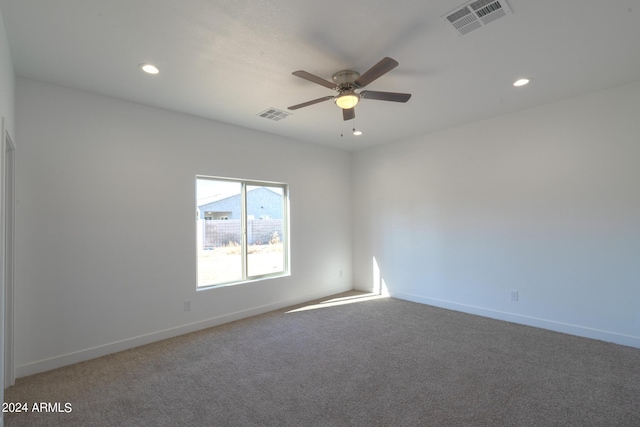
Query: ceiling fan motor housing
column 345, row 79
column 347, row 97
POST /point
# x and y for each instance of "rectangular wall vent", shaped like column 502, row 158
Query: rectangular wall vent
column 475, row 14
column 274, row 114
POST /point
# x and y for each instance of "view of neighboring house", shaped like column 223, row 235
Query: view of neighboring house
column 262, row 203
column 221, row 218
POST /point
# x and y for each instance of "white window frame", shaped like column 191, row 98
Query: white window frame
column 244, row 244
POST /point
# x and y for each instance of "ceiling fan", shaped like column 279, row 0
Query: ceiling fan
column 346, row 82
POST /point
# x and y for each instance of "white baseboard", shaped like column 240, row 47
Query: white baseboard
column 126, row 344
column 581, row 331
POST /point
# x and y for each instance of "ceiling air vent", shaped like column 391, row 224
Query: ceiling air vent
column 475, row 14
column 274, row 114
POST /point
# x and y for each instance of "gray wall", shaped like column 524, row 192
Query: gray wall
column 97, row 274
column 544, row 201
column 7, row 111
column 7, row 82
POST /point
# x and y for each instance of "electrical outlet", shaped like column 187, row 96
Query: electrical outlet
column 514, row 295
column 187, row 305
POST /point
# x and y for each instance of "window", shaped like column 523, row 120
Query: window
column 242, row 230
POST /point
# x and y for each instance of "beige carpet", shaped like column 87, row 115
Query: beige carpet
column 363, row 362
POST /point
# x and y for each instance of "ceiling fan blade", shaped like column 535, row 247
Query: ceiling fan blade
column 306, row 104
column 315, row 79
column 385, row 96
column 349, row 114
column 385, row 65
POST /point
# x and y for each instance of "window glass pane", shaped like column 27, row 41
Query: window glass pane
column 265, row 228
column 219, row 231
column 242, row 230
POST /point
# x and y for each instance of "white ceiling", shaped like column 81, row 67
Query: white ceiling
column 231, row 60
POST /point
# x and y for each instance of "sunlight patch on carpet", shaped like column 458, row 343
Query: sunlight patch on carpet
column 340, row 301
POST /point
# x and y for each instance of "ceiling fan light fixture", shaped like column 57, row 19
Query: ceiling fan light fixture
column 347, row 100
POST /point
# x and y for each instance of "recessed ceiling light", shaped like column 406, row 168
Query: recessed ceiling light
column 149, row 68
column 521, row 82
